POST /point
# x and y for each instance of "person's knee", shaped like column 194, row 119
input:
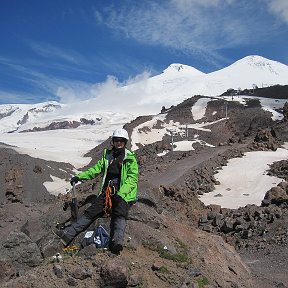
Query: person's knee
column 96, row 210
column 120, row 207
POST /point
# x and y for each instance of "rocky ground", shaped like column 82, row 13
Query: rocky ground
column 172, row 238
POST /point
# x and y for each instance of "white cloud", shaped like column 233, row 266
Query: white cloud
column 69, row 92
column 195, row 27
column 43, row 85
column 280, row 7
column 49, row 51
column 64, row 90
column 15, row 97
column 190, row 4
column 138, row 78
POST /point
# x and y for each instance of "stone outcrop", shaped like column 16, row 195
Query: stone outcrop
column 277, row 195
column 264, row 140
column 248, row 226
column 285, row 112
column 19, row 253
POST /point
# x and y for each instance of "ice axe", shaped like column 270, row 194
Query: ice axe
column 74, row 210
column 74, row 205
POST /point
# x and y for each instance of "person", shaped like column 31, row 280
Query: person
column 119, row 169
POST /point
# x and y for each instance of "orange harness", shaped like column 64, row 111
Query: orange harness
column 110, row 191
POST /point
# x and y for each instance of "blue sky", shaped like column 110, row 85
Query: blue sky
column 65, row 50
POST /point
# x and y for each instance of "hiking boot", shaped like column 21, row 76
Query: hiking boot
column 115, row 248
column 63, row 238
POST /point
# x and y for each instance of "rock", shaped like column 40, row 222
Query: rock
column 265, row 203
column 157, row 265
column 246, row 234
column 50, row 245
column 203, row 219
column 207, row 228
column 72, row 282
column 21, row 250
column 285, row 112
column 276, row 195
column 228, row 225
column 218, row 220
column 238, row 228
column 58, row 271
column 7, row 270
column 135, row 280
column 266, row 140
column 194, row 272
column 258, row 215
column 284, row 186
column 114, row 273
column 81, row 273
column 88, row 252
column 214, row 208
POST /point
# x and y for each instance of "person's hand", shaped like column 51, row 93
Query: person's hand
column 74, row 180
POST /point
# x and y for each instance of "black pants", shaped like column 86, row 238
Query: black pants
column 119, row 214
column 120, row 207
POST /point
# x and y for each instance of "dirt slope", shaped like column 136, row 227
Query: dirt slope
column 172, row 239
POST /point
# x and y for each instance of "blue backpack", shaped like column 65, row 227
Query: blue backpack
column 99, row 237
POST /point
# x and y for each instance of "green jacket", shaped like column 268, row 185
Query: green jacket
column 129, row 174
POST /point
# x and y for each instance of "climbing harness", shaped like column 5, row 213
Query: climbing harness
column 110, row 191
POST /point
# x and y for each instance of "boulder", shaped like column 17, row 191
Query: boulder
column 276, row 195
column 285, row 112
column 114, row 273
column 265, row 139
column 7, row 270
column 21, row 251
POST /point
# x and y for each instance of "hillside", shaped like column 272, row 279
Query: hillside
column 82, row 125
column 275, row 91
column 172, row 238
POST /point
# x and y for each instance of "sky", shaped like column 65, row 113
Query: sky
column 63, row 49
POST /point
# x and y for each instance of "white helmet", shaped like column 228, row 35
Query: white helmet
column 121, row 133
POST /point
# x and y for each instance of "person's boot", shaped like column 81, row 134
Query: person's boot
column 117, row 227
column 68, row 234
column 63, row 238
column 116, row 248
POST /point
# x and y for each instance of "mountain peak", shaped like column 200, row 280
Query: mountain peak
column 260, row 62
column 251, row 70
column 255, row 59
column 176, row 68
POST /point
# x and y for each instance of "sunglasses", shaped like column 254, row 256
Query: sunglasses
column 119, row 140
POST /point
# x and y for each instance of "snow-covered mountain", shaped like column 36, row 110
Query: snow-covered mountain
column 93, row 120
column 179, row 82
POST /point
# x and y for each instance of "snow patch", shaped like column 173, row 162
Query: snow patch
column 244, row 180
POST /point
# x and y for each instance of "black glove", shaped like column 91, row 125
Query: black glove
column 74, row 180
